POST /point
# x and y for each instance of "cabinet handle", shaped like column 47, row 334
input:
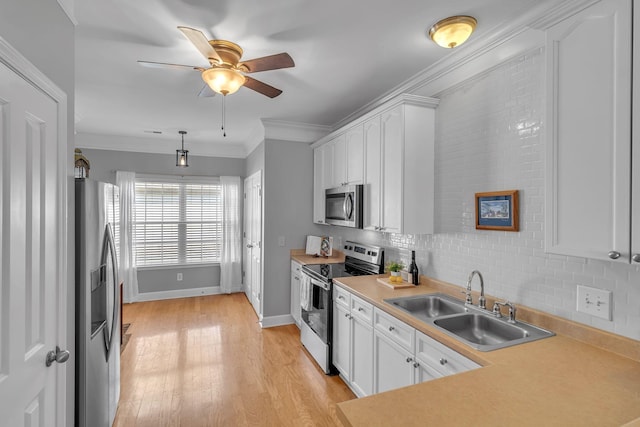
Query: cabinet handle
column 360, row 309
column 416, row 365
column 391, row 329
column 409, row 359
column 297, row 278
column 443, row 361
column 340, row 297
column 614, row 254
column 346, row 315
column 636, row 257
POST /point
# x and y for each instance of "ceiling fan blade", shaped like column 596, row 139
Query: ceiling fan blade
column 167, row 65
column 201, row 43
column 272, row 62
column 206, row 92
column 261, row 87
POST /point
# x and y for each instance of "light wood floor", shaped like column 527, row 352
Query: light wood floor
column 205, row 361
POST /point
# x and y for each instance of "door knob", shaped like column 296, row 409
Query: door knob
column 249, row 246
column 636, row 257
column 614, row 254
column 58, row 355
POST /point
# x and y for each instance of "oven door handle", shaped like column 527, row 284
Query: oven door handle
column 316, row 282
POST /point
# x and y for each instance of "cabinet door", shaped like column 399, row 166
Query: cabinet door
column 439, row 357
column 361, row 357
column 341, row 339
column 372, row 174
column 424, row 372
column 392, row 163
column 295, row 292
column 589, row 122
column 393, row 365
column 354, row 155
column 318, row 184
column 339, row 156
column 328, row 166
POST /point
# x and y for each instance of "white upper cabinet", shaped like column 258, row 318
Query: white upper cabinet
column 588, row 184
column 319, row 171
column 391, row 151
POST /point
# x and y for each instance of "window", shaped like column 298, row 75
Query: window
column 112, row 213
column 177, row 222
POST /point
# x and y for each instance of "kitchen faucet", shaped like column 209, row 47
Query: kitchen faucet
column 482, row 302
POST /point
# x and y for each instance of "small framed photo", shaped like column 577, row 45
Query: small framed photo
column 497, row 210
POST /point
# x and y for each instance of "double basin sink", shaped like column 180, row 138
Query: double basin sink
column 475, row 327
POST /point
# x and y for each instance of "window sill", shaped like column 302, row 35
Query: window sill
column 177, row 266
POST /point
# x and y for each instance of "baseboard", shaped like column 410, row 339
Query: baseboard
column 272, row 321
column 184, row 293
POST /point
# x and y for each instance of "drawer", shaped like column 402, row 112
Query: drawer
column 362, row 309
column 441, row 357
column 296, row 267
column 398, row 331
column 342, row 297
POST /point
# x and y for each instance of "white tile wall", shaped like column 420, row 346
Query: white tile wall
column 489, row 137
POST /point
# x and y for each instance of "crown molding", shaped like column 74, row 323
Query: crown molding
column 157, row 145
column 293, row 131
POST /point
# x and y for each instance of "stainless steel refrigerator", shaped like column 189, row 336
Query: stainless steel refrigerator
column 97, row 306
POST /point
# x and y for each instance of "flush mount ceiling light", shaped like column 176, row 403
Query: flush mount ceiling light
column 182, row 159
column 453, row 31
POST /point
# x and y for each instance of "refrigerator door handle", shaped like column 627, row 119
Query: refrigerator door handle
column 109, row 246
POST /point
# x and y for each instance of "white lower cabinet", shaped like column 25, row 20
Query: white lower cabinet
column 296, row 272
column 376, row 352
column 353, row 341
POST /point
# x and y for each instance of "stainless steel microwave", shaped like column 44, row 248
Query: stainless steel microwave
column 343, row 206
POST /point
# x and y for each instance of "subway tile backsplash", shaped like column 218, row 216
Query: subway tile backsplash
column 490, row 137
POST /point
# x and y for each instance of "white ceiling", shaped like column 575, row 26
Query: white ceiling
column 347, row 54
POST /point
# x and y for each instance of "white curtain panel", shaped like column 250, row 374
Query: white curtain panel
column 126, row 181
column 231, row 257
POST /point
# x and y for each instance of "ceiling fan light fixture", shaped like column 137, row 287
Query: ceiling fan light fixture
column 453, row 31
column 223, row 80
column 182, row 155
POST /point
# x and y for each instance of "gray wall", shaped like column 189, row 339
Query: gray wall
column 288, row 212
column 255, row 160
column 40, row 30
column 104, row 163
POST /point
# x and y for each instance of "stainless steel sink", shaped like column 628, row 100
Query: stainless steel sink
column 484, row 332
column 428, row 306
column 471, row 325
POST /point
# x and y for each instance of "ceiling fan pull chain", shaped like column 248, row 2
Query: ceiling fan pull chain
column 224, row 115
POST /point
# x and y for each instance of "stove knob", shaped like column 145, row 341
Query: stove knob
column 374, row 253
column 368, row 252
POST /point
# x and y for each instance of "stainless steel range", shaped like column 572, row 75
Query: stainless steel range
column 316, row 294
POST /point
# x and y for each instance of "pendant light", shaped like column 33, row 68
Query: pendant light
column 453, row 31
column 182, row 159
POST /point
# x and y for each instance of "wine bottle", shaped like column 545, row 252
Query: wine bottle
column 413, row 270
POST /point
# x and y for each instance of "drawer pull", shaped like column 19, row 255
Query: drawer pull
column 346, row 315
column 614, row 254
column 443, row 361
column 340, row 297
column 409, row 359
column 360, row 309
column 391, row 329
column 416, row 365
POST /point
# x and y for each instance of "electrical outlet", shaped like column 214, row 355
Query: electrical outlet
column 281, row 241
column 179, row 278
column 596, row 302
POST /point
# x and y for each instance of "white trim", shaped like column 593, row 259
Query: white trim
column 272, row 321
column 177, row 266
column 177, row 179
column 183, row 293
column 158, row 145
column 23, row 67
column 293, row 131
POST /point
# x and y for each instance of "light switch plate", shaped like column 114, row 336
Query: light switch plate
column 593, row 301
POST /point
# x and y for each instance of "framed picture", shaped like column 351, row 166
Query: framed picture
column 497, row 210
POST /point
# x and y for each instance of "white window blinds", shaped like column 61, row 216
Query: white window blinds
column 177, row 222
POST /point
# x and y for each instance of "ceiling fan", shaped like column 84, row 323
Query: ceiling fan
column 227, row 73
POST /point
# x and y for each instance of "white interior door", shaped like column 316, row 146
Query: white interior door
column 253, row 240
column 32, row 261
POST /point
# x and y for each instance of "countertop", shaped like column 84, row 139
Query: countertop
column 580, row 377
column 300, row 256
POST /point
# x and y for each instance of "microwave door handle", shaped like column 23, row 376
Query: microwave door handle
column 347, row 206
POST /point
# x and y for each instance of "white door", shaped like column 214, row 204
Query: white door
column 33, row 250
column 253, row 240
